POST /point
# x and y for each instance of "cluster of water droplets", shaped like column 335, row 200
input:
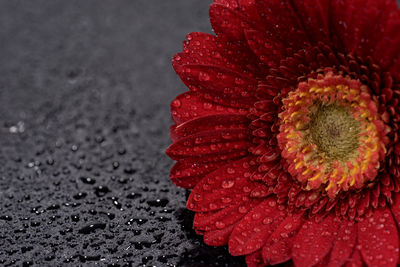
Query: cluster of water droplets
column 90, row 189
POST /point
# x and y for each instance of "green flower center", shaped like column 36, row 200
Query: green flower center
column 334, row 130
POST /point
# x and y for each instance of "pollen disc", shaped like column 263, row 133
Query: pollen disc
column 330, row 134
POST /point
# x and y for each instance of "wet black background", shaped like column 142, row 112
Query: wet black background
column 85, row 88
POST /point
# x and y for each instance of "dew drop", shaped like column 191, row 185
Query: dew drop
column 242, row 209
column 213, row 206
column 246, row 189
column 204, row 76
column 226, row 200
column 207, row 105
column 230, row 170
column 288, row 226
column 220, row 225
column 197, row 197
column 267, row 220
column 227, row 184
column 176, row 103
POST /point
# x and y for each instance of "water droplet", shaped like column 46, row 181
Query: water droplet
column 203, row 76
column 226, row 200
column 230, row 170
column 288, row 226
column 256, row 216
column 207, row 105
column 220, row 225
column 213, row 206
column 197, row 197
column 91, row 228
column 19, row 128
column 88, row 180
column 227, row 184
column 242, row 209
column 272, row 203
column 267, row 220
column 176, row 103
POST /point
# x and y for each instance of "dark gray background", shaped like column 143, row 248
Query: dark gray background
column 85, row 88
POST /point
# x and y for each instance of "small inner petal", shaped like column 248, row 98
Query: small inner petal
column 330, row 134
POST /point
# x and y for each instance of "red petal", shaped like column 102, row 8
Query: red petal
column 251, row 233
column 221, row 219
column 384, row 32
column 222, row 188
column 395, row 69
column 174, row 136
column 218, row 237
column 187, row 172
column 344, row 244
column 226, row 87
column 395, row 207
column 261, row 191
column 192, row 105
column 228, row 3
column 379, row 239
column 279, row 245
column 210, row 143
column 355, row 260
column 211, row 123
column 280, row 28
column 314, row 14
column 280, row 21
column 269, row 50
column 314, row 241
column 206, row 49
column 226, row 22
column 368, row 27
column 342, row 15
column 255, row 259
column 187, row 182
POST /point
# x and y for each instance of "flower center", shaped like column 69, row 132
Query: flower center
column 334, row 130
column 330, row 134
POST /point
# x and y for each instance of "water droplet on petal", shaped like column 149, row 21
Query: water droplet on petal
column 242, row 210
column 220, row 225
column 213, row 206
column 288, row 226
column 207, row 105
column 197, row 197
column 176, row 103
column 227, row 184
column 204, row 76
column 267, row 220
column 226, row 200
column 230, row 170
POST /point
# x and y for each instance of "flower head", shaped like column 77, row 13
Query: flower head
column 289, row 135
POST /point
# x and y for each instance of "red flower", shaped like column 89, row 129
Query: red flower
column 289, row 135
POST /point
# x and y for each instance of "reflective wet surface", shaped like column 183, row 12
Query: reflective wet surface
column 84, row 116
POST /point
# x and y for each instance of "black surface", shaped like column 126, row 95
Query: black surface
column 85, row 88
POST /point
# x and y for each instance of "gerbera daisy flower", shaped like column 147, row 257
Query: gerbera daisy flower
column 289, row 135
